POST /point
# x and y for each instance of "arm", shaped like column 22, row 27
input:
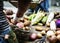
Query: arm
column 23, row 5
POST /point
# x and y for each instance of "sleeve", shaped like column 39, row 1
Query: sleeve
column 1, row 6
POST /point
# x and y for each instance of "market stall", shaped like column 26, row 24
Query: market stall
column 40, row 27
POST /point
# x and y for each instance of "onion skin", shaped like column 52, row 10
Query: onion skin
column 58, row 23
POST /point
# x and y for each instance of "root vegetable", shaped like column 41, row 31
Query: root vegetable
column 40, row 24
column 39, row 35
column 58, row 37
column 27, row 28
column 52, row 39
column 50, row 33
column 58, row 32
column 27, row 23
column 33, row 36
column 38, row 28
column 46, row 29
column 20, row 25
column 48, row 24
column 58, row 29
column 43, row 32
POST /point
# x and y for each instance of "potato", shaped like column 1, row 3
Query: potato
column 58, row 37
column 40, row 24
column 48, row 24
column 58, row 32
column 58, row 29
column 43, row 32
column 27, row 23
column 27, row 28
column 46, row 29
column 38, row 28
column 52, row 39
column 50, row 33
column 39, row 35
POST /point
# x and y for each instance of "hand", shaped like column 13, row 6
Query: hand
column 12, row 21
column 11, row 24
column 6, row 36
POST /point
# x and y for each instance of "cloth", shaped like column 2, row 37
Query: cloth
column 2, row 40
column 12, row 36
column 43, row 6
column 3, row 25
column 2, row 16
column 1, row 5
column 3, row 22
column 5, row 28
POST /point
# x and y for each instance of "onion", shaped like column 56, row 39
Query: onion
column 20, row 25
column 43, row 32
column 58, row 23
column 33, row 36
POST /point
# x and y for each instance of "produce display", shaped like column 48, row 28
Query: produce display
column 39, row 25
column 46, row 24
